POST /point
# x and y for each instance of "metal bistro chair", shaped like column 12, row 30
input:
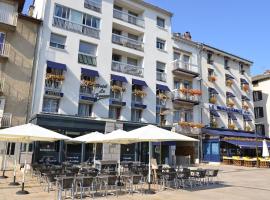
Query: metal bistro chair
column 184, row 178
column 111, row 183
column 170, row 179
column 134, row 182
column 86, row 183
column 200, row 176
column 65, row 184
column 211, row 175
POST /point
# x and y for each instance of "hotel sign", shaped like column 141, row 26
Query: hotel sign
column 227, row 109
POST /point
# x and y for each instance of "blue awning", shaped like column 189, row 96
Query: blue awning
column 228, row 76
column 212, row 90
column 246, row 144
column 229, row 94
column 232, row 116
column 118, row 78
column 89, row 72
column 55, row 65
column 214, row 113
column 162, row 87
column 139, row 82
column 227, row 132
column 244, row 81
column 245, row 98
column 247, row 118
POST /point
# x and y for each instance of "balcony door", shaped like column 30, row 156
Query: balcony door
column 2, row 41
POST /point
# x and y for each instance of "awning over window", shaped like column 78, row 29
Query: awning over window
column 214, row 113
column 228, row 76
column 118, row 78
column 89, row 72
column 212, row 90
column 162, row 87
column 245, row 98
column 221, row 132
column 232, row 116
column 229, row 94
column 246, row 144
column 244, row 81
column 139, row 82
column 55, row 65
column 247, row 118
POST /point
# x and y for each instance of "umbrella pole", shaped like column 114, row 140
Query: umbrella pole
column 14, row 183
column 95, row 150
column 149, row 191
column 22, row 191
column 4, row 163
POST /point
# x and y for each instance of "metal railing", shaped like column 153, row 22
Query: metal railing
column 6, row 120
column 137, row 99
column 128, row 18
column 161, row 76
column 53, row 86
column 127, row 42
column 8, row 17
column 127, row 68
column 75, row 27
column 4, row 49
column 187, row 130
column 93, row 5
column 86, row 91
column 179, row 64
column 116, row 96
column 177, row 95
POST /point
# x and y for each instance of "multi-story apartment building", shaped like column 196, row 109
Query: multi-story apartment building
column 18, row 34
column 261, row 103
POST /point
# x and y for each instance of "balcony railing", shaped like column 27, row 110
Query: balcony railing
column 161, row 76
column 128, row 18
column 187, row 130
column 116, row 96
column 160, row 103
column 8, row 17
column 53, row 86
column 127, row 42
column 137, row 99
column 179, row 64
column 85, row 91
column 4, row 50
column 87, row 59
column 127, row 68
column 177, row 95
column 75, row 27
column 93, row 5
column 6, row 120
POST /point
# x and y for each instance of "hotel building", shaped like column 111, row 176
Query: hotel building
column 261, row 103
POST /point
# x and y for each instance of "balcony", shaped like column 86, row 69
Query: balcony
column 6, row 120
column 187, row 130
column 8, row 19
column 93, row 5
column 128, row 18
column 87, row 59
column 127, row 68
column 75, row 27
column 4, row 50
column 180, row 97
column 87, row 94
column 184, row 68
column 127, row 42
column 137, row 102
column 53, row 88
column 161, row 76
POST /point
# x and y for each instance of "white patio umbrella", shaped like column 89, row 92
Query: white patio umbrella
column 28, row 133
column 93, row 138
column 265, row 151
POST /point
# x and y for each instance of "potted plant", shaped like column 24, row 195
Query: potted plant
column 213, row 100
column 245, row 106
column 140, row 93
column 231, row 126
column 117, row 88
column 229, row 83
column 163, row 96
column 248, row 128
column 182, row 123
column 245, row 87
column 230, row 103
column 55, row 77
column 214, row 124
column 212, row 78
column 184, row 90
column 88, row 83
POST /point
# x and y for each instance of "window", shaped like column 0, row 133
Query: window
column 260, row 129
column 160, row 22
column 176, row 56
column 257, row 96
column 132, row 61
column 136, row 115
column 258, row 111
column 176, row 84
column 133, row 37
column 91, row 21
column 210, row 72
column 210, row 58
column 50, row 105
column 255, row 83
column 85, row 110
column 160, row 66
column 241, row 68
column 57, row 41
column 161, row 44
column 226, row 63
column 116, row 57
column 186, row 59
column 62, row 12
column 114, row 112
column 87, row 53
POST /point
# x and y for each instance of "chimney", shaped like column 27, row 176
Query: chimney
column 187, row 35
column 31, row 10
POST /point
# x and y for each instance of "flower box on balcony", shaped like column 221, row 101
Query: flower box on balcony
column 213, row 100
column 214, row 125
column 229, row 83
column 212, row 78
column 245, row 106
column 183, row 90
column 194, row 92
column 248, row 128
column 230, row 103
column 231, row 126
column 55, row 77
column 163, row 97
column 88, row 83
column 183, row 123
column 245, row 87
column 139, row 93
column 116, row 88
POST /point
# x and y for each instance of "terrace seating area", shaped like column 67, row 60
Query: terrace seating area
column 246, row 161
column 80, row 181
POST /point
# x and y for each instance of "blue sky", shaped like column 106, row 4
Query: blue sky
column 240, row 27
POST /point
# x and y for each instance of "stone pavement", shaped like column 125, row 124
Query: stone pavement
column 238, row 183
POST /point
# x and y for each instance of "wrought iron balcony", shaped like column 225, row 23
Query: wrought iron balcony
column 127, row 68
column 128, row 18
column 52, row 89
column 182, row 67
column 4, row 50
column 127, row 42
column 93, row 5
column 8, row 18
column 186, row 97
column 161, row 76
column 75, row 27
column 6, row 120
